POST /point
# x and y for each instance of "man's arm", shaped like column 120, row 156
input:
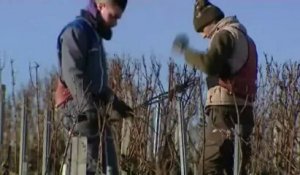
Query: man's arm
column 212, row 62
column 74, row 50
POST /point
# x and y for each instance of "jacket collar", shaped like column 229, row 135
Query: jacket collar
column 97, row 23
column 230, row 20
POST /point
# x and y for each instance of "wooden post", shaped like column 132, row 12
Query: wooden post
column 126, row 125
column 182, row 138
column 2, row 100
column 23, row 140
column 46, row 143
column 125, row 133
column 150, row 143
column 79, row 155
column 237, row 149
column 156, row 132
column 2, row 113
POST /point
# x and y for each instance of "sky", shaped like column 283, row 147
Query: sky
column 29, row 29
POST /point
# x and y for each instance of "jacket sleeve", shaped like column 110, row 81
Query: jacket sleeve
column 213, row 61
column 74, row 50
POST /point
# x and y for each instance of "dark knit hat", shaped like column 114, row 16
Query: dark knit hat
column 205, row 13
column 121, row 3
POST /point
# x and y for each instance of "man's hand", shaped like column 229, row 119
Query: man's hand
column 180, row 43
column 87, row 123
column 122, row 108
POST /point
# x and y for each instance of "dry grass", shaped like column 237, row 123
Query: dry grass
column 275, row 139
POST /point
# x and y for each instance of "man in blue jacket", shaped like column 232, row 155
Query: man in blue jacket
column 83, row 79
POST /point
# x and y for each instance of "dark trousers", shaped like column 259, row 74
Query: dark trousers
column 217, row 158
column 93, row 133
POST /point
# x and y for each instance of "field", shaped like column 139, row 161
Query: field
column 146, row 148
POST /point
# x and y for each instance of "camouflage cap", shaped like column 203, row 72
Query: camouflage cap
column 121, row 3
column 205, row 13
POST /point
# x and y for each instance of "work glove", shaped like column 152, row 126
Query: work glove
column 122, row 108
column 87, row 123
column 116, row 108
column 180, row 43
